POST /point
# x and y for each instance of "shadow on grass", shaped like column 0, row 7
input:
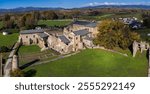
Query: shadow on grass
column 30, row 73
column 147, row 54
column 131, row 49
column 29, row 64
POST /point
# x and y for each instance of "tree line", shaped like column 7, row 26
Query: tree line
column 29, row 20
column 26, row 20
column 146, row 19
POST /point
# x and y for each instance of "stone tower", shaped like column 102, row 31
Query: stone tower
column 15, row 62
column 142, row 46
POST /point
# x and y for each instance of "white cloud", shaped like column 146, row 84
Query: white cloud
column 116, row 3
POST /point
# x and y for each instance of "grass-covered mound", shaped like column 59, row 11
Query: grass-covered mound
column 94, row 63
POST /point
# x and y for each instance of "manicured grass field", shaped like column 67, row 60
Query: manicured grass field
column 1, row 24
column 32, row 53
column 8, row 40
column 94, row 63
column 112, row 15
column 100, row 17
column 29, row 49
column 54, row 22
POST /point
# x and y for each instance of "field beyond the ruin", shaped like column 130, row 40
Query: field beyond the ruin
column 53, row 23
column 8, row 40
column 93, row 63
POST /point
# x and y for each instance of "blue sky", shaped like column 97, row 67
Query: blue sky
column 65, row 3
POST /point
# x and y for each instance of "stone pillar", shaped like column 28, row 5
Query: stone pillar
column 15, row 63
column 135, row 48
column 142, row 46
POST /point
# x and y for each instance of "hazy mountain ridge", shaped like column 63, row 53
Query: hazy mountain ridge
column 26, row 9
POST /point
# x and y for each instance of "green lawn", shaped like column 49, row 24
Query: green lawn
column 94, row 63
column 54, row 22
column 32, row 53
column 1, row 24
column 8, row 40
column 28, row 54
column 99, row 17
column 29, row 49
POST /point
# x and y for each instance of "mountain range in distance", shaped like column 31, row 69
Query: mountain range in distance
column 27, row 9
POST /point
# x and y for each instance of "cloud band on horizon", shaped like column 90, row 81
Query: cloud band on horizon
column 116, row 3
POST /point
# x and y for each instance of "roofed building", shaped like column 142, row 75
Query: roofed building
column 60, row 44
column 34, row 37
column 76, row 36
column 80, row 25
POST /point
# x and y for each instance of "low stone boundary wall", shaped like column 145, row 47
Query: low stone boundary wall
column 60, row 57
column 8, row 65
column 99, row 47
column 149, row 72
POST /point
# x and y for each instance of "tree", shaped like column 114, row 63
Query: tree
column 49, row 15
column 6, row 17
column 36, row 15
column 17, row 73
column 4, row 49
column 146, row 22
column 146, row 19
column 115, row 34
column 21, row 22
column 8, row 22
column 30, row 21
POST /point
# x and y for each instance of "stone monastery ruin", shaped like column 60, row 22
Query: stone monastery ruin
column 77, row 35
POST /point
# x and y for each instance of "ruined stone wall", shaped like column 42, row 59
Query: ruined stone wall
column 57, row 45
column 15, row 63
column 142, row 46
column 76, row 41
column 93, row 30
column 28, row 39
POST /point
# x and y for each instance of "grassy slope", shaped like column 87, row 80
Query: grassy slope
column 94, row 63
column 8, row 40
column 54, row 22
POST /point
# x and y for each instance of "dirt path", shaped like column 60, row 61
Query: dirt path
column 58, row 58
